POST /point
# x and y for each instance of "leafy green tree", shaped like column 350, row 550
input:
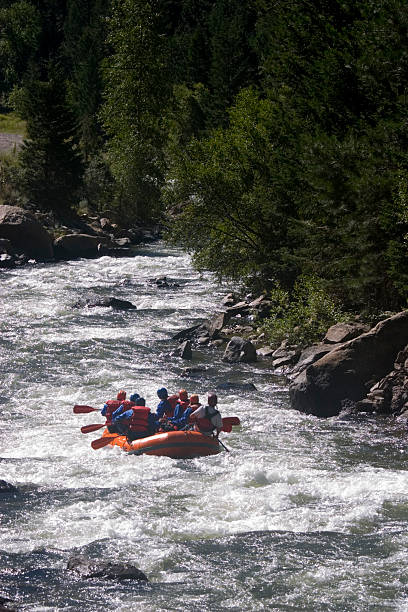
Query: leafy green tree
column 235, row 192
column 137, row 90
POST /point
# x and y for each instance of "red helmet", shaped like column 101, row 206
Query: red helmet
column 121, row 395
column 183, row 395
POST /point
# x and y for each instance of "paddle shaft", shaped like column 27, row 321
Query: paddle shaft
column 88, row 428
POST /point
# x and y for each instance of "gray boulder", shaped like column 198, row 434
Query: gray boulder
column 216, row 324
column 343, row 374
column 78, row 245
column 240, row 350
column 343, row 332
column 25, row 232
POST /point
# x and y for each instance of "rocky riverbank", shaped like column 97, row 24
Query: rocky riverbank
column 357, row 367
column 26, row 237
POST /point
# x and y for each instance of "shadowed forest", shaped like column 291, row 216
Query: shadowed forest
column 268, row 138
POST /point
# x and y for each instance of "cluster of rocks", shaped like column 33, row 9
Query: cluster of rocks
column 390, row 394
column 356, row 366
column 232, row 328
column 365, row 373
column 26, row 237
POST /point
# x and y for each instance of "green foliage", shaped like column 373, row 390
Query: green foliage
column 20, row 33
column 137, row 90
column 9, row 179
column 51, row 168
column 302, row 317
column 235, row 202
column 11, row 123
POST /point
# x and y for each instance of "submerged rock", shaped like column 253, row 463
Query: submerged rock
column 7, row 489
column 110, row 302
column 94, row 568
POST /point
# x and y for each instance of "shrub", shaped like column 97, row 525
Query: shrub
column 303, row 317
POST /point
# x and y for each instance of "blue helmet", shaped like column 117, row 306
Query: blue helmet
column 140, row 401
column 162, row 393
column 134, row 397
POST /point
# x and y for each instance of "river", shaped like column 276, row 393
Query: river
column 301, row 514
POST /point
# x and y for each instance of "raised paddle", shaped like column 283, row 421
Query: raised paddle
column 79, row 409
column 228, row 422
column 89, row 428
column 104, row 441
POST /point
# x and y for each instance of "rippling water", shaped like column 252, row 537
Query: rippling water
column 301, row 514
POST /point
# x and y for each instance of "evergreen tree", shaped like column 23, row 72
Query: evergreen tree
column 50, row 160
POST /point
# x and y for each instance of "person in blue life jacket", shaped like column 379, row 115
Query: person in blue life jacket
column 184, row 408
column 137, row 422
column 124, row 404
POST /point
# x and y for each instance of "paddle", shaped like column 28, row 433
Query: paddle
column 228, row 422
column 223, row 445
column 79, row 409
column 104, row 441
column 89, row 428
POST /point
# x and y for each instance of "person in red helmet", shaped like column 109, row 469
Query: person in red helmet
column 207, row 419
column 112, row 406
column 182, row 410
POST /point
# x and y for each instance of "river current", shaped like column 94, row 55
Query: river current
column 301, row 514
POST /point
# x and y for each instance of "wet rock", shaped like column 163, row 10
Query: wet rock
column 162, row 282
column 6, row 604
column 184, row 350
column 6, row 246
column 25, row 233
column 94, row 568
column 7, row 489
column 7, row 261
column 191, row 371
column 235, row 386
column 240, row 350
column 216, row 324
column 343, row 373
column 110, row 302
column 342, row 332
column 189, row 333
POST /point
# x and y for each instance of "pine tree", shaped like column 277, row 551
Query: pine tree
column 50, row 160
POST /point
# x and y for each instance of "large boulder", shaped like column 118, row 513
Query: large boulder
column 347, row 372
column 25, row 232
column 240, row 350
column 78, row 245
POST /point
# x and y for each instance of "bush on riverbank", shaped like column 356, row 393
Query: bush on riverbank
column 303, row 317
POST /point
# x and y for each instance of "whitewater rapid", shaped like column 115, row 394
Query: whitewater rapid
column 300, row 514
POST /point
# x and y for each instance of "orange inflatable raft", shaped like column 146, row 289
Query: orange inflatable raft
column 175, row 444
